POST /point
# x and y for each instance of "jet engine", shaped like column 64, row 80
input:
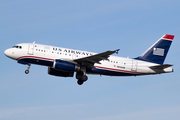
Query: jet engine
column 65, row 66
column 52, row 71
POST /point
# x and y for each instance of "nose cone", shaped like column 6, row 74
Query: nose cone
column 7, row 52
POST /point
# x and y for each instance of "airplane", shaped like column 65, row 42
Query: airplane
column 64, row 62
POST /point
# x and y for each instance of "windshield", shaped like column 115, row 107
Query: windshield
column 16, row 46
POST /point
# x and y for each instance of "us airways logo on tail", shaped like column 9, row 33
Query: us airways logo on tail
column 65, row 62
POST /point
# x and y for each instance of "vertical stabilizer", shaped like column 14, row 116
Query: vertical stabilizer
column 158, row 51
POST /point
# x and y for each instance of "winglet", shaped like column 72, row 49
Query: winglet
column 116, row 51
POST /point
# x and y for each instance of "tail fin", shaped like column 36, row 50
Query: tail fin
column 158, row 51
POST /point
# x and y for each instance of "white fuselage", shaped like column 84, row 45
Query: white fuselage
column 42, row 54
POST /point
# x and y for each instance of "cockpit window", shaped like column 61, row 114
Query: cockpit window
column 16, row 46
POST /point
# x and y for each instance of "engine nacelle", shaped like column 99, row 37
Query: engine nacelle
column 54, row 72
column 65, row 66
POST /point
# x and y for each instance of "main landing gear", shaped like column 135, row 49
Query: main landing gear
column 82, row 77
column 28, row 67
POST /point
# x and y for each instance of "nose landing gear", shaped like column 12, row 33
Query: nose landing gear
column 28, row 67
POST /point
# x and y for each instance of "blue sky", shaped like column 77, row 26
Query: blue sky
column 95, row 26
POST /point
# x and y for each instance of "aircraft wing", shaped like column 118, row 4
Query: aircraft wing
column 161, row 66
column 95, row 58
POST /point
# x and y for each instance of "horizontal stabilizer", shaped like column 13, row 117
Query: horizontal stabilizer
column 161, row 66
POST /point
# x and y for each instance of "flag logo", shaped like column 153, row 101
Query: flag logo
column 158, row 51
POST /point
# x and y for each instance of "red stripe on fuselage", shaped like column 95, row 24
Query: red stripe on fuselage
column 117, row 70
column 35, row 58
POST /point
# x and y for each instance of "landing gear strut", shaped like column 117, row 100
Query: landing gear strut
column 28, row 67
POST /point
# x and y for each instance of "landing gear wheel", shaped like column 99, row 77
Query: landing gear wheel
column 26, row 71
column 80, row 82
column 28, row 67
column 84, row 78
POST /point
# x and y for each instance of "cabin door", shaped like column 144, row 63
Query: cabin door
column 31, row 49
column 134, row 65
